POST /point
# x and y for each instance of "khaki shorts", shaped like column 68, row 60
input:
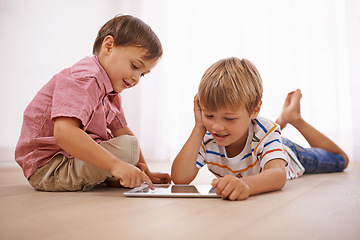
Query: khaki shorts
column 72, row 174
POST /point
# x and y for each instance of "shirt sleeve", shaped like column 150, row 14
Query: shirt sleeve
column 200, row 161
column 271, row 148
column 74, row 98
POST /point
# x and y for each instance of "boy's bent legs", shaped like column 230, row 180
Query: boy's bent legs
column 63, row 174
column 291, row 114
column 317, row 160
column 67, row 174
column 124, row 147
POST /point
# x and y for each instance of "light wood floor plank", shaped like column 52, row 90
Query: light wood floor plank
column 322, row 206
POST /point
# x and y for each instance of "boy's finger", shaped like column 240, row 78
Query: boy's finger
column 196, row 102
column 215, row 182
column 163, row 179
column 167, row 179
column 141, row 166
column 124, row 183
column 221, row 185
column 147, row 180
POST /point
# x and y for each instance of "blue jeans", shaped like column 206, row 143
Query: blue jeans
column 316, row 160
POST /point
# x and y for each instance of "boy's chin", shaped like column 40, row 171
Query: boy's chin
column 222, row 143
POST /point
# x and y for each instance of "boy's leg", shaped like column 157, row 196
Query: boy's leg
column 63, row 174
column 291, row 109
column 316, row 160
column 291, row 114
column 130, row 152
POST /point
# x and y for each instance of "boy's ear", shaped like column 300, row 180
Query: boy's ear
column 256, row 111
column 107, row 45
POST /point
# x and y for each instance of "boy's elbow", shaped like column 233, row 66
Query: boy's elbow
column 277, row 174
column 282, row 183
column 278, row 179
column 59, row 133
column 282, row 179
column 180, row 178
column 177, row 178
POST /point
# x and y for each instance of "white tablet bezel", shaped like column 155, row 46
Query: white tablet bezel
column 172, row 190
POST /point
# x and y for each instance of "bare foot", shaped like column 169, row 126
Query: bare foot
column 291, row 109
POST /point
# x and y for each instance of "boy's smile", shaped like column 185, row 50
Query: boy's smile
column 220, row 137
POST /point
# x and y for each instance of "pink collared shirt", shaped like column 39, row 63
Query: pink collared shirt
column 83, row 91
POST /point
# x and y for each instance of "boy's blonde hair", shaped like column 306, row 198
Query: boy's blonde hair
column 130, row 31
column 230, row 84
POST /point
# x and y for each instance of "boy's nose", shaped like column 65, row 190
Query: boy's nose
column 134, row 81
column 136, row 77
column 217, row 127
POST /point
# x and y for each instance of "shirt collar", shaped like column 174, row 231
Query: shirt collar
column 104, row 76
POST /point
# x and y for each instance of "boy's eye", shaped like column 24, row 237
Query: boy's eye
column 208, row 116
column 230, row 119
column 134, row 66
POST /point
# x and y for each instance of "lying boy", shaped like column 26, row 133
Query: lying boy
column 246, row 152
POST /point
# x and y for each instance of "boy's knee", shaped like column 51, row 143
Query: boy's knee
column 124, row 147
column 346, row 158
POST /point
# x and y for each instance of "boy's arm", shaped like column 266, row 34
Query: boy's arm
column 70, row 137
column 184, row 169
column 272, row 178
column 155, row 177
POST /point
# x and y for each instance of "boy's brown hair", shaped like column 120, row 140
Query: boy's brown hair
column 230, row 84
column 130, row 31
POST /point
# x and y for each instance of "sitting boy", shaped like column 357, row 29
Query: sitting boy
column 74, row 134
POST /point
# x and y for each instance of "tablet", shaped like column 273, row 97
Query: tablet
column 171, row 190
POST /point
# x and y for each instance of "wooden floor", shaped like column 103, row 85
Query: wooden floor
column 323, row 206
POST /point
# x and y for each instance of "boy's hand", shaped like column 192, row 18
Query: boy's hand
column 130, row 176
column 155, row 177
column 158, row 177
column 197, row 111
column 231, row 187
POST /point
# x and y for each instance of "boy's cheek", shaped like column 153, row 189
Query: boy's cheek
column 205, row 122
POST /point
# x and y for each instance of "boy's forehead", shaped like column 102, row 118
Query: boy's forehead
column 139, row 51
column 224, row 110
column 142, row 52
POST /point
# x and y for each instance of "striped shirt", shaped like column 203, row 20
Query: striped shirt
column 262, row 145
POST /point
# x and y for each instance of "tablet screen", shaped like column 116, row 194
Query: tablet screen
column 171, row 190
